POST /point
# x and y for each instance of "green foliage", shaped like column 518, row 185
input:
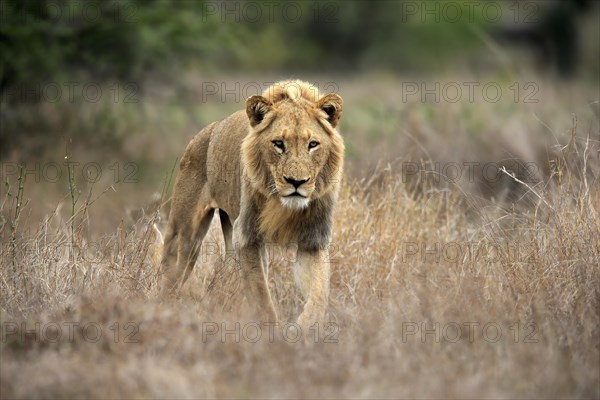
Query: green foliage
column 44, row 39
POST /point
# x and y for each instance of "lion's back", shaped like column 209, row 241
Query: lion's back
column 223, row 162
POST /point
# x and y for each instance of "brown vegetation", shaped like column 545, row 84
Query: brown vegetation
column 415, row 263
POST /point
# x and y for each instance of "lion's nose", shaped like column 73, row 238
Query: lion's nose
column 296, row 183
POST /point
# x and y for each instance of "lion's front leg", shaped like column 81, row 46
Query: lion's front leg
column 312, row 274
column 255, row 281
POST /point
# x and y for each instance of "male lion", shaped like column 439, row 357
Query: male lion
column 290, row 156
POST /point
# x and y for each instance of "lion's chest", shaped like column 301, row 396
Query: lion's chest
column 278, row 224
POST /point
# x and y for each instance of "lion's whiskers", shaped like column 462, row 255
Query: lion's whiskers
column 273, row 188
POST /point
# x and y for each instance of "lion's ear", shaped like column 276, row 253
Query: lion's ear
column 331, row 104
column 256, row 108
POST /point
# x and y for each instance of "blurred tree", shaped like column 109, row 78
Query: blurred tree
column 552, row 33
column 129, row 40
column 40, row 39
column 114, row 39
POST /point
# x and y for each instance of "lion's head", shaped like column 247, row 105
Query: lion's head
column 293, row 150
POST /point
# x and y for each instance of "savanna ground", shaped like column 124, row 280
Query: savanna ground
column 450, row 277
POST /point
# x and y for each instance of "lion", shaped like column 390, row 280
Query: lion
column 273, row 172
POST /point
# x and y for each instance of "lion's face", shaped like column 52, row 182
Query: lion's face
column 293, row 150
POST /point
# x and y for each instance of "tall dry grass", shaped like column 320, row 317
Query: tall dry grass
column 430, row 298
column 473, row 288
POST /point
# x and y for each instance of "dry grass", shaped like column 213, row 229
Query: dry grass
column 410, row 266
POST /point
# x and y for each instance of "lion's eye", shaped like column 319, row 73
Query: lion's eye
column 313, row 144
column 279, row 144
